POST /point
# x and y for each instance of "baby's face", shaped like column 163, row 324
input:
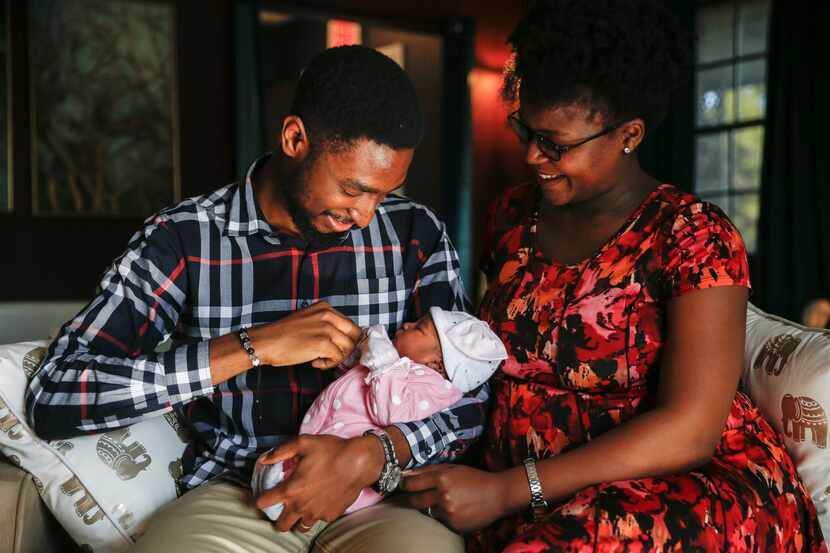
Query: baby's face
column 419, row 341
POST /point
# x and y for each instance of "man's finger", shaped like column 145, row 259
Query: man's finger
column 281, row 453
column 304, row 526
column 329, row 351
column 332, row 348
column 317, row 306
column 344, row 342
column 271, row 497
column 287, row 520
column 344, row 325
column 324, row 363
column 351, row 330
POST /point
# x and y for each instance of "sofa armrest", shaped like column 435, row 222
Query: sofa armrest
column 26, row 525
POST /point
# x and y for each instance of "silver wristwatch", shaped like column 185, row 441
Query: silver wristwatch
column 538, row 503
column 390, row 476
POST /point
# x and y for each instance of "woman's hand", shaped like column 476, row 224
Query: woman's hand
column 464, row 498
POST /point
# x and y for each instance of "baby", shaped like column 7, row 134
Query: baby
column 429, row 366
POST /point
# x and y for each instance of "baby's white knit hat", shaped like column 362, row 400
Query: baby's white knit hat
column 471, row 350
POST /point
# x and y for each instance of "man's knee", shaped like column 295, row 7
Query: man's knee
column 388, row 526
column 217, row 518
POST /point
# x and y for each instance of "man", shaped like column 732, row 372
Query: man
column 262, row 287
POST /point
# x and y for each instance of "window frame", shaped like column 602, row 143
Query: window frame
column 729, row 193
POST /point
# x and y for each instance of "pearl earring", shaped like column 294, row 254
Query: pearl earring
column 627, row 150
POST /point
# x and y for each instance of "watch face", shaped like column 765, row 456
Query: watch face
column 393, row 479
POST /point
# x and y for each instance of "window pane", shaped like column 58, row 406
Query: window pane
column 714, row 32
column 748, row 149
column 723, row 201
column 747, row 210
column 753, row 21
column 752, row 90
column 715, row 96
column 712, row 163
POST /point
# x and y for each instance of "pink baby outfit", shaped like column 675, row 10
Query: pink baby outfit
column 383, row 389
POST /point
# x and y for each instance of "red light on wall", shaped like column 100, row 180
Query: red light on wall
column 498, row 157
column 492, row 137
column 343, row 33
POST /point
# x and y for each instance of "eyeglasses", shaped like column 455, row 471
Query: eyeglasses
column 551, row 149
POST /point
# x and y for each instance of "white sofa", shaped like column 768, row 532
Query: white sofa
column 787, row 372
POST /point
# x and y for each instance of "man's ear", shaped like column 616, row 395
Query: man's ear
column 294, row 138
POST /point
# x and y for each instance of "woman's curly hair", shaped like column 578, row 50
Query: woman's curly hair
column 621, row 58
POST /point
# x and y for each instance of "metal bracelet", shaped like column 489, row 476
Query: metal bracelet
column 538, row 503
column 248, row 347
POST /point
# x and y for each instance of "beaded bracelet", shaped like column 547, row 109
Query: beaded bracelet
column 248, row 347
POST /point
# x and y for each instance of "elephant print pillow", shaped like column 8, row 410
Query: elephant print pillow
column 787, row 374
column 102, row 488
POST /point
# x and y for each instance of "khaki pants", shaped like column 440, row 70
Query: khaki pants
column 220, row 517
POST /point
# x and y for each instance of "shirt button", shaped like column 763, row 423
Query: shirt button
column 304, row 304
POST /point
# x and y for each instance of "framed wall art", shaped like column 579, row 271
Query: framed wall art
column 5, row 110
column 103, row 107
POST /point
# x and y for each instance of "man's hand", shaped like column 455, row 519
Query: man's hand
column 318, row 333
column 464, row 498
column 328, row 477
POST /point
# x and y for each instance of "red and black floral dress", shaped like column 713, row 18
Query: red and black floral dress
column 584, row 344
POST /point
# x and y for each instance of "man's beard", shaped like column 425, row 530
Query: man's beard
column 294, row 187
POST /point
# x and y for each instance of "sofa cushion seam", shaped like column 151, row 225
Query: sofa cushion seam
column 19, row 512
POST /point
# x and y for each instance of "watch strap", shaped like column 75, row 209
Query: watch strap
column 390, row 460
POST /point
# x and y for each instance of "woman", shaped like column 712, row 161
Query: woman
column 622, row 304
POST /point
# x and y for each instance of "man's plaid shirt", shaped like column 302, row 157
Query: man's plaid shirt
column 208, row 267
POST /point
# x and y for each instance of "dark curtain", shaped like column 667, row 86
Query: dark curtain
column 794, row 228
column 249, row 122
column 667, row 153
column 457, row 170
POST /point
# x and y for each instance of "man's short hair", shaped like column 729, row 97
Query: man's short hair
column 352, row 92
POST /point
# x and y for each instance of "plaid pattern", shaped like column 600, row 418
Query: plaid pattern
column 189, row 276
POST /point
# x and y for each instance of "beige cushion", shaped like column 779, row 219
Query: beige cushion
column 102, row 488
column 787, row 374
column 26, row 526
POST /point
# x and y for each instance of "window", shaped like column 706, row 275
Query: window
column 730, row 96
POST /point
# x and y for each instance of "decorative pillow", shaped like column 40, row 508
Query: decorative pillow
column 787, row 374
column 102, row 488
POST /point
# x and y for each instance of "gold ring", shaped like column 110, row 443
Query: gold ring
column 303, row 527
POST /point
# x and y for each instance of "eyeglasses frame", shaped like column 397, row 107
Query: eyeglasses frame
column 548, row 147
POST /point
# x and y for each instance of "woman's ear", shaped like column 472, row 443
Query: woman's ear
column 633, row 134
column 294, row 138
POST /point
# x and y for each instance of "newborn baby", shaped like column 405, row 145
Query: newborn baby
column 429, row 366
